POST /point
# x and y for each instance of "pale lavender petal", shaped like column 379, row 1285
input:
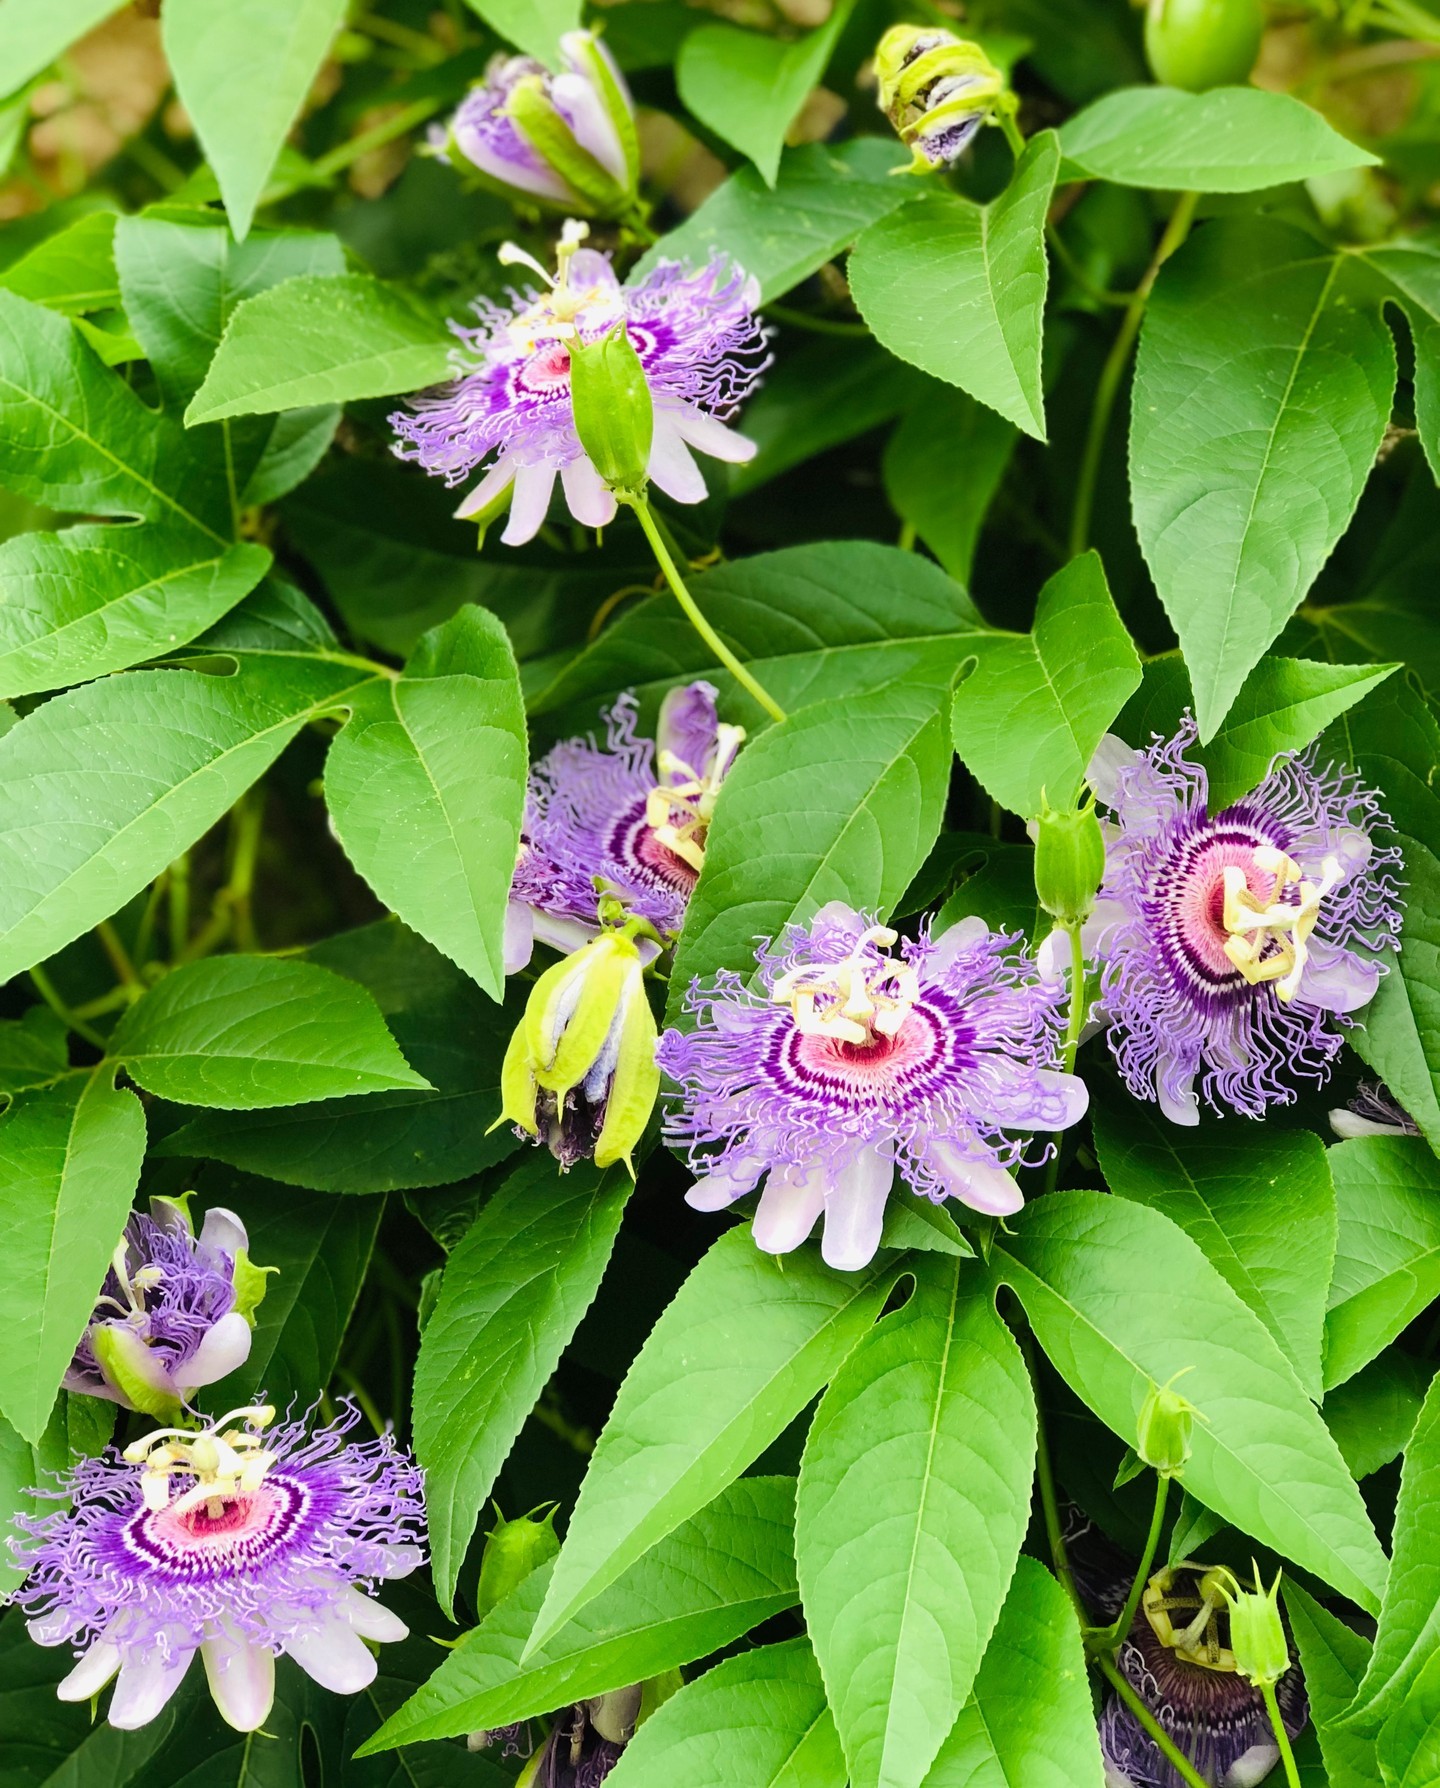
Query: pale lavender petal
column 707, row 435
column 335, row 1656
column 687, row 725
column 591, row 502
column 223, row 1233
column 530, row 504
column 241, row 1674
column 855, row 1210
column 224, row 1349
column 583, row 110
column 91, row 1674
column 144, row 1685
column 974, row 1181
column 672, row 468
column 789, row 1206
column 1337, row 980
column 495, row 482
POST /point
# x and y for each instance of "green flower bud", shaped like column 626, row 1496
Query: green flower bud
column 1167, row 1422
column 513, row 1550
column 1069, row 862
column 936, row 89
column 1257, row 1631
column 614, row 414
column 538, row 120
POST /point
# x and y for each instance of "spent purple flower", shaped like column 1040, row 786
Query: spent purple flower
column 233, row 1541
column 699, row 346
column 632, row 813
column 170, row 1317
column 1237, row 945
column 1374, row 1111
column 850, row 1061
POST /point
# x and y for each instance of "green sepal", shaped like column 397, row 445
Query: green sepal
column 108, row 1344
column 539, row 122
column 249, row 1284
column 614, row 411
column 518, row 1088
column 563, row 1063
column 581, row 47
column 513, row 1550
column 635, row 1084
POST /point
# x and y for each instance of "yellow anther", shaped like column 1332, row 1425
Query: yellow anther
column 1270, row 942
column 863, row 997
column 221, row 1461
column 1198, row 1640
column 679, row 812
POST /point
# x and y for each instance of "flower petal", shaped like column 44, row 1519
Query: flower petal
column 146, row 1682
column 688, row 723
column 1338, row 980
column 91, row 1674
column 718, row 1190
column 530, row 504
column 672, row 467
column 707, row 434
column 792, row 1200
column 855, row 1210
column 370, row 1620
column 222, row 1350
column 241, row 1674
column 497, row 480
column 519, row 936
column 591, row 501
column 335, row 1656
column 1349, row 1124
column 223, row 1231
column 972, row 1179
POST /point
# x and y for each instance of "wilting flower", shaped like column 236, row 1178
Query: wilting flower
column 1236, row 946
column 851, row 1061
column 700, row 348
column 936, row 89
column 1374, row 1111
column 630, row 815
column 579, row 1074
column 567, row 139
column 584, row 1745
column 174, row 1314
column 231, row 1541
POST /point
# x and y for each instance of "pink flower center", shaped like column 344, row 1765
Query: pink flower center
column 1199, row 900
column 872, row 1072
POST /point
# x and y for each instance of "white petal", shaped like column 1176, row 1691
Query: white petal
column 672, row 468
column 372, row 1621
column 1337, row 980
column 223, row 1231
column 241, row 1676
column 1252, row 1769
column 519, row 936
column 974, row 1181
column 581, row 106
column 709, row 436
column 562, row 934
column 591, row 502
column 335, row 1656
column 224, row 1349
column 143, row 1687
column 855, row 1211
column 530, row 175
column 530, row 504
column 717, row 1191
column 1112, row 755
column 1182, row 1106
column 1035, row 1098
column 963, row 935
column 496, row 480
column 1349, row 1124
column 793, row 1198
column 91, row 1674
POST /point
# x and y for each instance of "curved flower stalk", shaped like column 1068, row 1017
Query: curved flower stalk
column 699, row 346
column 1236, row 947
column 566, row 140
column 851, row 1061
column 630, row 817
column 175, row 1312
column 238, row 1541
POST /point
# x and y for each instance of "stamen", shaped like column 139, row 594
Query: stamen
column 1198, row 1641
column 223, row 1465
column 855, row 1000
column 1270, row 942
column 691, row 796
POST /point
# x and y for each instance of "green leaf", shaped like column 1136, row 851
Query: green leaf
column 841, row 801
column 959, row 288
column 945, row 495
column 1408, row 1751
column 1408, row 272
column 383, row 1142
column 823, row 197
column 759, row 1718
column 426, row 786
column 1373, row 1414
column 914, row 1497
column 177, row 749
column 34, row 32
column 713, row 1579
column 1028, row 718
column 241, row 1031
column 72, row 271
column 1387, row 1261
column 1029, row 1719
column 1333, row 1658
column 747, row 88
column 1260, row 1207
column 1394, row 742
column 69, row 1163
column 1098, row 1277
column 1262, row 392
column 321, row 341
column 533, row 26
column 242, row 74
column 771, row 1335
column 99, row 598
column 824, row 622
column 513, row 1294
column 1231, row 139
column 32, row 1049
column 1409, row 1629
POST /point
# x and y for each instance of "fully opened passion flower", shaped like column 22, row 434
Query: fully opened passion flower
column 238, row 1541
column 175, row 1312
column 852, row 1060
column 1236, row 945
column 631, row 815
column 700, row 348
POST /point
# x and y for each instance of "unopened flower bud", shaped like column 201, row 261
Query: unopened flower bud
column 1166, row 1425
column 512, row 1551
column 1257, row 1631
column 580, row 1072
column 936, row 89
column 1069, row 863
column 614, row 413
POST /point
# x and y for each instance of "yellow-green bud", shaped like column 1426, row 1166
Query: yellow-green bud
column 936, row 89
column 1257, row 1632
column 513, row 1550
column 1166, row 1425
column 614, row 414
column 539, row 122
column 1069, row 862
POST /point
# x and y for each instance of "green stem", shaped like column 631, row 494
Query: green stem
column 1282, row 1737
column 1114, row 371
column 119, row 957
column 375, row 138
column 697, row 620
column 178, row 906
column 1082, row 279
column 249, row 817
column 801, row 319
column 1005, row 118
column 1107, row 1638
column 1076, row 1022
column 1176, row 1758
column 45, row 987
column 1045, row 1477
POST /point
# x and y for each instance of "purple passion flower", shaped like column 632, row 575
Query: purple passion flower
column 1374, row 1111
column 566, row 139
column 632, row 813
column 699, row 345
column 1236, row 946
column 584, row 1745
column 174, row 1314
column 230, row 1541
column 850, row 1061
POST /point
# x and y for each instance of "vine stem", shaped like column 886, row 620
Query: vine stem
column 46, row 988
column 1282, row 1737
column 692, row 609
column 1113, row 371
column 1074, row 1025
column 1107, row 1638
column 1175, row 1757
